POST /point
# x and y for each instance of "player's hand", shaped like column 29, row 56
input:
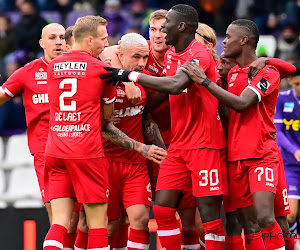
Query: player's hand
column 257, row 66
column 297, row 155
column 154, row 153
column 194, row 71
column 116, row 75
column 133, row 92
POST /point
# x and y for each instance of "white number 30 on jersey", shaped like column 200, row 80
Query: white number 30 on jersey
column 62, row 105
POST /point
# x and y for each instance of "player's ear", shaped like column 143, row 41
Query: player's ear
column 41, row 42
column 181, row 26
column 244, row 40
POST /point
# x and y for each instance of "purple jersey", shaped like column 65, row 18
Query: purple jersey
column 287, row 121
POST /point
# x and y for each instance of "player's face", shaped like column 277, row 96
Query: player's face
column 157, row 37
column 170, row 27
column 135, row 58
column 53, row 41
column 295, row 83
column 232, row 46
column 225, row 66
column 99, row 42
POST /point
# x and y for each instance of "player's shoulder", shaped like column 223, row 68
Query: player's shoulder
column 33, row 64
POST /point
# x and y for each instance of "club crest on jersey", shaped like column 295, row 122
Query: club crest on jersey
column 288, row 107
column 233, row 77
column 40, row 76
column 263, row 85
column 121, row 92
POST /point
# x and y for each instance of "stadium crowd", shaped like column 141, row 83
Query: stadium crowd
column 110, row 136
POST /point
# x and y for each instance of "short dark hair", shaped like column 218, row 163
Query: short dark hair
column 297, row 72
column 188, row 12
column 69, row 34
column 251, row 27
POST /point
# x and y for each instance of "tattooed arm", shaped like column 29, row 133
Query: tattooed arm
column 116, row 136
column 151, row 131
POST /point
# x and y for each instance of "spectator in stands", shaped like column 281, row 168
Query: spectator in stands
column 288, row 43
column 28, row 30
column 292, row 10
column 6, row 36
column 118, row 21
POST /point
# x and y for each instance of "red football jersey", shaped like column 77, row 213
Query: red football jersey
column 251, row 133
column 130, row 122
column 195, row 122
column 31, row 80
column 161, row 115
column 75, row 91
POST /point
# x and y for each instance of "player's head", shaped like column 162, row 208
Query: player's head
column 90, row 34
column 294, row 80
column 157, row 37
column 133, row 52
column 207, row 36
column 181, row 19
column 53, row 40
column 240, row 34
column 226, row 64
column 69, row 38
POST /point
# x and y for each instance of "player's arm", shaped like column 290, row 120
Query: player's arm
column 155, row 100
column 285, row 69
column 151, row 131
column 173, row 85
column 3, row 98
column 237, row 103
column 116, row 136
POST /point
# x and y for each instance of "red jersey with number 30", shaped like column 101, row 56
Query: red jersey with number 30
column 31, row 80
column 129, row 120
column 75, row 92
column 195, row 122
column 251, row 133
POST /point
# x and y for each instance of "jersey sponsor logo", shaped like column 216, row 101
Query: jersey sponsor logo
column 288, row 107
column 294, row 124
column 40, row 98
column 41, row 82
column 152, row 69
column 68, row 116
column 293, row 188
column 129, row 111
column 263, row 85
column 70, row 66
column 72, row 128
column 40, row 76
column 120, row 92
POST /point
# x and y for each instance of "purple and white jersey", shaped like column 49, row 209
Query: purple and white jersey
column 287, row 121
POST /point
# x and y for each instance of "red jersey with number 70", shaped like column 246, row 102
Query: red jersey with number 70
column 195, row 122
column 31, row 81
column 75, row 92
column 251, row 133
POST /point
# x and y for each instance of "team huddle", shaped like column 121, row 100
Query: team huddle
column 110, row 136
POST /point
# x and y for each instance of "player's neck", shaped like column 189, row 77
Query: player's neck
column 183, row 43
column 246, row 58
column 159, row 56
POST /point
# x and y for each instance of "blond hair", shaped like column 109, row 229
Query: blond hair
column 87, row 26
column 209, row 36
column 158, row 14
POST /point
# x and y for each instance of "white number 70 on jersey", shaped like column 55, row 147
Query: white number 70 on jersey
column 62, row 105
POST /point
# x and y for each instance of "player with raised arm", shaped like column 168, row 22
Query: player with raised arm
column 31, row 81
column 197, row 144
column 75, row 163
column 253, row 168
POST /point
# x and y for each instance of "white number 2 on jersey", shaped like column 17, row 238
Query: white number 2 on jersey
column 62, row 105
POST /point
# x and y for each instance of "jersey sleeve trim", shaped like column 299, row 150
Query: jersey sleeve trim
column 107, row 101
column 256, row 92
column 6, row 92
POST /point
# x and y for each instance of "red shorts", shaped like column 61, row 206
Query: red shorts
column 252, row 175
column 281, row 202
column 129, row 185
column 197, row 171
column 85, row 179
column 39, row 165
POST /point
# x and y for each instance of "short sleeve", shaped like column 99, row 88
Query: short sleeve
column 266, row 81
column 109, row 93
column 14, row 84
